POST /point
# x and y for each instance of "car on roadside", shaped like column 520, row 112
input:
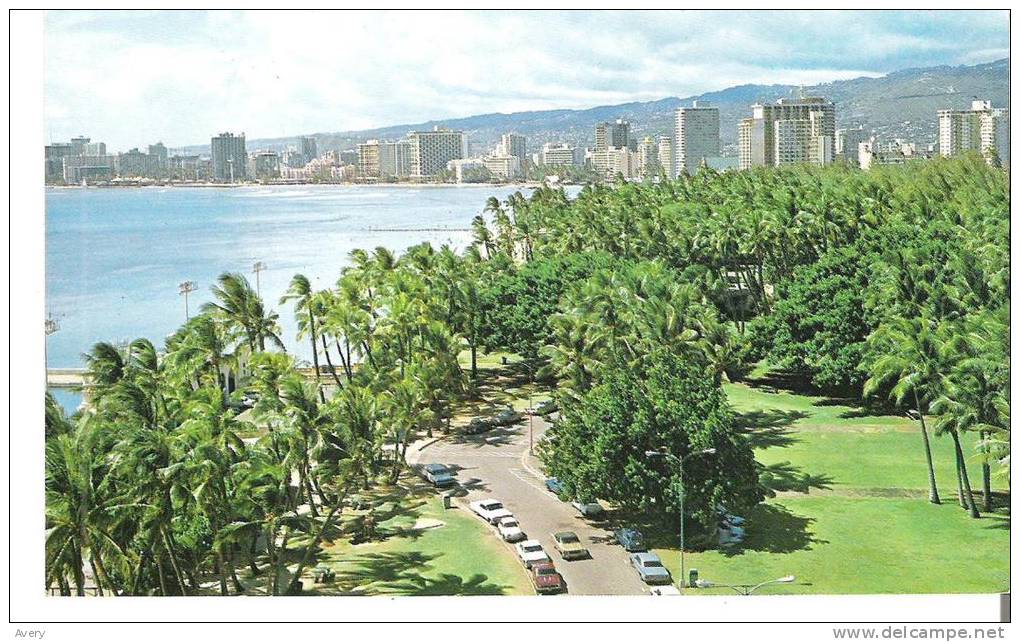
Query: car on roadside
column 650, row 569
column 510, row 530
column 491, row 510
column 479, row 425
column 507, row 417
column 569, row 546
column 589, row 509
column 728, row 536
column 531, row 552
column 554, row 486
column 546, row 578
column 438, row 475
column 630, row 539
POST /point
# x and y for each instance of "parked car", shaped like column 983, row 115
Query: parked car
column 510, row 529
column 531, row 552
column 727, row 518
column 650, row 568
column 630, row 539
column 507, row 417
column 438, row 475
column 730, row 536
column 569, row 545
column 479, row 425
column 546, row 578
column 554, row 485
column 490, row 510
column 590, row 509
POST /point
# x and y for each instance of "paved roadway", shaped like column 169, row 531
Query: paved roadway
column 496, row 465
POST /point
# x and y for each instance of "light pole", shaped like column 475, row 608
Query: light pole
column 184, row 289
column 683, row 491
column 747, row 589
column 257, row 268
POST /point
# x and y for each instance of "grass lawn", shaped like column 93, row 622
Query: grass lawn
column 850, row 515
column 461, row 557
column 841, row 545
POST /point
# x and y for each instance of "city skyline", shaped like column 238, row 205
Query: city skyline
column 263, row 73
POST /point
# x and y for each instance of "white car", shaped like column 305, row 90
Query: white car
column 490, row 510
column 531, row 552
column 510, row 529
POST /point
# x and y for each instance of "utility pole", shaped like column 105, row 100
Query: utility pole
column 184, row 289
column 257, row 268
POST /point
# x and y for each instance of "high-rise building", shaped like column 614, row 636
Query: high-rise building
column 309, row 149
column 433, row 150
column 612, row 135
column 666, row 154
column 506, row 167
column 185, row 167
column 264, row 165
column 368, row 159
column 612, row 162
column 848, row 141
column 395, row 159
column 54, row 161
column 159, row 153
column 558, row 154
column 81, row 168
column 806, row 135
column 648, row 157
column 513, row 145
column 135, row 163
column 696, row 136
column 981, row 128
column 229, row 158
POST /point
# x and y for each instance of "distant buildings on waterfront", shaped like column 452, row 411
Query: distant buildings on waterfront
column 790, row 131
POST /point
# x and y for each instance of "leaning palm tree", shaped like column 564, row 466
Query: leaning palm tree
column 908, row 360
column 300, row 291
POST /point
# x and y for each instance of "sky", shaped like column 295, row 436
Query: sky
column 134, row 78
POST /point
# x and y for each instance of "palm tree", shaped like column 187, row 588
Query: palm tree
column 238, row 305
column 300, row 291
column 909, row 359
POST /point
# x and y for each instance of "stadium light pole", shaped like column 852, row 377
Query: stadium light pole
column 184, row 289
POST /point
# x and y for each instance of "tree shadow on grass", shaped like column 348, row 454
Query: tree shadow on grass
column 785, row 477
column 446, row 584
column 384, row 568
column 767, row 428
column 771, row 528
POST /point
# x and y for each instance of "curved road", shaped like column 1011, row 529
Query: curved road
column 496, row 464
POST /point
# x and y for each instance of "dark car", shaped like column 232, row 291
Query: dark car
column 507, row 417
column 630, row 539
column 554, row 485
column 479, row 425
column 546, row 578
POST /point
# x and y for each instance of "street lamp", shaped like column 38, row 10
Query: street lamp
column 747, row 589
column 680, row 463
column 257, row 268
column 184, row 289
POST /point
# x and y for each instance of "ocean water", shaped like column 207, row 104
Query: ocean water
column 115, row 257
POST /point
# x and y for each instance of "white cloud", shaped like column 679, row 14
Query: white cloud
column 136, row 77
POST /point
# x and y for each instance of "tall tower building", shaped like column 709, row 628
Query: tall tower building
column 648, row 157
column 696, row 136
column 806, row 134
column 229, row 158
column 612, row 135
column 981, row 128
column 308, row 148
column 431, row 151
column 513, row 145
column 666, row 155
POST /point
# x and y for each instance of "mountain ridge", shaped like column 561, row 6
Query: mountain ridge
column 901, row 104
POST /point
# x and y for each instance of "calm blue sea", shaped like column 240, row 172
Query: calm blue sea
column 115, row 257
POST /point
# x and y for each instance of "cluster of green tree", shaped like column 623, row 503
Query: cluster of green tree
column 891, row 283
column 576, row 174
column 635, row 301
column 154, row 489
